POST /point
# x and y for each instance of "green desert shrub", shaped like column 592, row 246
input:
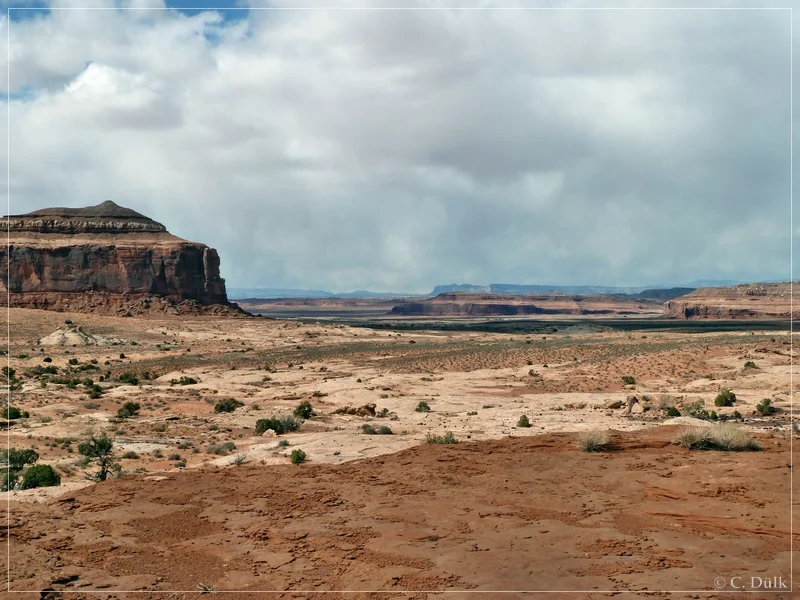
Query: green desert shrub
column 304, row 410
column 129, row 378
column 99, row 450
column 227, row 405
column 628, row 380
column 524, row 421
column 765, row 407
column 12, row 412
column 279, row 425
column 298, row 456
column 423, row 407
column 750, row 365
column 447, row 438
column 673, row 412
column 725, row 398
column 595, row 440
column 40, row 476
column 697, row 410
column 130, row 455
column 129, row 409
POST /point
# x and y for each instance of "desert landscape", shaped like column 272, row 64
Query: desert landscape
column 391, row 301
column 199, row 497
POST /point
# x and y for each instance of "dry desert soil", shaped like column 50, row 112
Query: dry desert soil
column 201, row 503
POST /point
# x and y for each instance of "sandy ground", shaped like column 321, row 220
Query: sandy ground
column 538, row 492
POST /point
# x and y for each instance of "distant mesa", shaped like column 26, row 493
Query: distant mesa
column 744, row 301
column 461, row 304
column 107, row 259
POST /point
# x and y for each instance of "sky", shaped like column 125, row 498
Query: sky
column 394, row 150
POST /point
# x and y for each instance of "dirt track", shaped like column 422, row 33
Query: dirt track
column 529, row 513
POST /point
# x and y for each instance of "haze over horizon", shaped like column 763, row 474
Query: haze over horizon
column 397, row 151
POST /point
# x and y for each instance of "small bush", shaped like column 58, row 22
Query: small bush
column 283, row 444
column 724, row 436
column 47, row 359
column 423, row 407
column 227, row 405
column 91, row 405
column 447, row 438
column 304, row 410
column 628, row 380
column 223, row 448
column 370, row 430
column 129, row 378
column 40, row 476
column 73, row 361
column 131, row 455
column 279, row 425
column 737, row 415
column 183, row 381
column 673, row 412
column 696, row 410
column 725, row 398
column 524, row 421
column 765, row 407
column 129, row 409
column 298, row 456
column 750, row 365
column 11, row 412
column 595, row 440
column 122, row 355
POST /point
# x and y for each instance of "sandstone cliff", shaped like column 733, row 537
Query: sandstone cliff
column 745, row 301
column 105, row 258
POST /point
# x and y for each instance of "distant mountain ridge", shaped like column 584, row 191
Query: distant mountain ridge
column 653, row 291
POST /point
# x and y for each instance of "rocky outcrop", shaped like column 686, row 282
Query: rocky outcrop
column 745, row 301
column 489, row 305
column 104, row 258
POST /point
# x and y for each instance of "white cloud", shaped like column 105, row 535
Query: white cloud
column 398, row 150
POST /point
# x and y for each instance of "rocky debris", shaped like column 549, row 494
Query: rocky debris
column 107, row 259
column 744, row 301
column 613, row 404
column 74, row 335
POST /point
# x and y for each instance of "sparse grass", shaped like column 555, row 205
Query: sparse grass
column 595, row 440
column 724, row 436
column 447, row 438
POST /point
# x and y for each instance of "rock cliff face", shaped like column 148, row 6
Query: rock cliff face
column 458, row 304
column 745, row 301
column 103, row 256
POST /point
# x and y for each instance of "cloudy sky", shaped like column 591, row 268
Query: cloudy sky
column 397, row 150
